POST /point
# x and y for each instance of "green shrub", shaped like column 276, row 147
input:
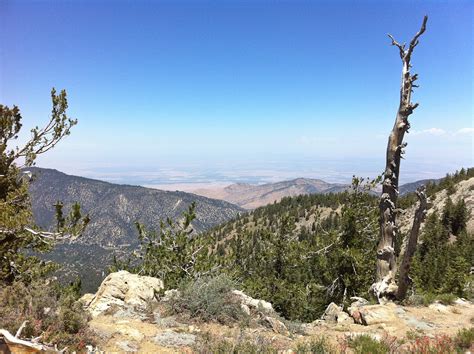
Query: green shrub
column 427, row 299
column 446, row 299
column 464, row 338
column 316, row 346
column 208, row 299
column 49, row 311
column 366, row 344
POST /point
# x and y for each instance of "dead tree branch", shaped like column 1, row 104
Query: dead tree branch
column 420, row 214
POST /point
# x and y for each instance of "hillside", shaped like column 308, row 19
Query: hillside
column 113, row 210
column 252, row 196
column 321, row 236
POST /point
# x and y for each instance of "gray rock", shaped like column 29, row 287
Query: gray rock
column 400, row 311
column 331, row 312
column 260, row 305
column 276, row 325
column 168, row 322
column 344, row 318
column 127, row 346
column 170, row 295
column 173, row 339
column 420, row 325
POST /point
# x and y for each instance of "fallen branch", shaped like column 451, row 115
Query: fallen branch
column 16, row 345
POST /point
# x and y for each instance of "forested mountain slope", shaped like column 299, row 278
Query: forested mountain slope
column 114, row 208
column 307, row 251
column 113, row 211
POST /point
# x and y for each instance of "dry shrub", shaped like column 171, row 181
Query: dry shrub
column 50, row 312
column 208, row 299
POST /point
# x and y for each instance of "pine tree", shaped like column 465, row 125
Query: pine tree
column 18, row 233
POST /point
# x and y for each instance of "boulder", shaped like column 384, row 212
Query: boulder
column 438, row 307
column 331, row 312
column 123, row 290
column 170, row 295
column 344, row 318
column 374, row 314
column 336, row 314
column 276, row 325
column 260, row 305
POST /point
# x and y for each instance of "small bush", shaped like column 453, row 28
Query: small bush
column 208, row 299
column 50, row 311
column 427, row 299
column 210, row 344
column 316, row 346
column 366, row 344
column 446, row 299
column 438, row 345
column 464, row 338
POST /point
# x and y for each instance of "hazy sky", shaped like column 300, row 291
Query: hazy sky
column 234, row 88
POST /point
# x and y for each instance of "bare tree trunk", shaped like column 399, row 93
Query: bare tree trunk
column 385, row 287
column 404, row 280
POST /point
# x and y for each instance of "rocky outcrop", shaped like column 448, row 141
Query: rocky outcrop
column 248, row 302
column 336, row 314
column 123, row 291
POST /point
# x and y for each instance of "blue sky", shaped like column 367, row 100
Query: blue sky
column 206, row 88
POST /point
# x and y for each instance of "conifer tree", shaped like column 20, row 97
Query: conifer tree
column 18, row 233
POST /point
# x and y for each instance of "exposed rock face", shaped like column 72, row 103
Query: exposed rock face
column 123, row 290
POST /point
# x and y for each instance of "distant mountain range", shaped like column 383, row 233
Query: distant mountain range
column 251, row 196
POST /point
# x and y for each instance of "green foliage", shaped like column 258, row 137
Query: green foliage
column 447, row 183
column 300, row 268
column 363, row 344
column 316, row 346
column 171, row 253
column 426, row 299
column 50, row 311
column 464, row 339
column 443, row 260
column 18, row 234
column 243, row 344
column 208, row 299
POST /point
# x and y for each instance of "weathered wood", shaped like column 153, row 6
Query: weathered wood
column 404, row 280
column 13, row 344
column 385, row 287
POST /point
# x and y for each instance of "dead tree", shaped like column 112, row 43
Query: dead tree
column 404, row 280
column 386, row 287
